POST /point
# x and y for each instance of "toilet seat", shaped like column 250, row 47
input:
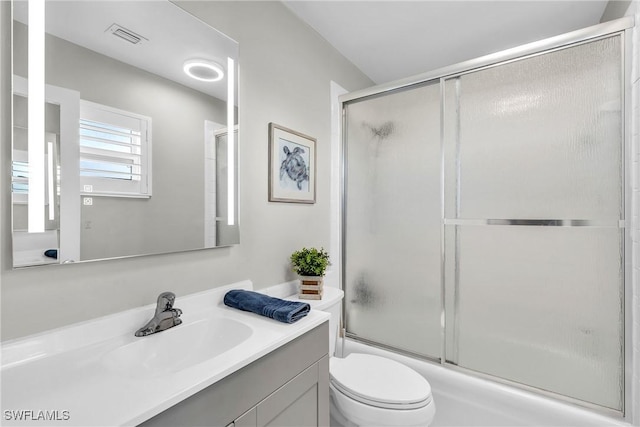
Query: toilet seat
column 379, row 382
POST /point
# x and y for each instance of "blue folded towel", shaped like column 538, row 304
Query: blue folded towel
column 51, row 253
column 275, row 308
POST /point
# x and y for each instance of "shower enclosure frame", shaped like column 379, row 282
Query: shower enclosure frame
column 622, row 27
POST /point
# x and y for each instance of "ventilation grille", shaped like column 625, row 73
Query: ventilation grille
column 126, row 34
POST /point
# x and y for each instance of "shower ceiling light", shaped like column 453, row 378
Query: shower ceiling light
column 203, row 70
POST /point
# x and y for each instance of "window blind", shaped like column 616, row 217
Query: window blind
column 115, row 151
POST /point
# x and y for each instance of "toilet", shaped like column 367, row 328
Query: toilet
column 369, row 390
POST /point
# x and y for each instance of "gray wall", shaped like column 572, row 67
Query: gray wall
column 615, row 9
column 285, row 72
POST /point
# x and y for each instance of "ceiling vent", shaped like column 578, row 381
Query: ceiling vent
column 125, row 34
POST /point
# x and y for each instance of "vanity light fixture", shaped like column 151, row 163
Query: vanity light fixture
column 35, row 116
column 203, row 70
column 50, row 189
column 231, row 149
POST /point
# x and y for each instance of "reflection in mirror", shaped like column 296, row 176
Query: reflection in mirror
column 20, row 181
column 137, row 157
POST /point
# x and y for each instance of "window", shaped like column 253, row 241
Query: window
column 20, row 177
column 20, row 173
column 115, row 152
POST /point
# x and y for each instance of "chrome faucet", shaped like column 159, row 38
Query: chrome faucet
column 166, row 316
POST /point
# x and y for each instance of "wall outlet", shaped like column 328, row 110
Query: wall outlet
column 87, row 201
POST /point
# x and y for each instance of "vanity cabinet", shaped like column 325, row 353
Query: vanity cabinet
column 293, row 404
column 287, row 387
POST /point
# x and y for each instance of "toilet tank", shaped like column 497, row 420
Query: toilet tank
column 331, row 302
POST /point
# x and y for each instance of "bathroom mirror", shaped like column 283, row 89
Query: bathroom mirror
column 139, row 154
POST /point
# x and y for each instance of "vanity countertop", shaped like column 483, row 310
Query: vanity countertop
column 87, row 375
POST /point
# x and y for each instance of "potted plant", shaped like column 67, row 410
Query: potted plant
column 310, row 265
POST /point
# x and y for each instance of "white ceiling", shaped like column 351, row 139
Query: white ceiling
column 390, row 40
column 387, row 40
column 172, row 36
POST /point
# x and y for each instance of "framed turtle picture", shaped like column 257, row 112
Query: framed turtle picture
column 292, row 166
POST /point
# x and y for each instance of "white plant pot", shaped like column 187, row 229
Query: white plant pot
column 310, row 287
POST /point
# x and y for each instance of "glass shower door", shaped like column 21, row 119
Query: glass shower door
column 533, row 221
column 393, row 220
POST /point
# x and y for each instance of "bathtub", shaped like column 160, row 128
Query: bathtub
column 464, row 400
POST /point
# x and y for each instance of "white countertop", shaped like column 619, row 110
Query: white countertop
column 64, row 371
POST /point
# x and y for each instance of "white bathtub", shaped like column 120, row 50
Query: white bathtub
column 463, row 400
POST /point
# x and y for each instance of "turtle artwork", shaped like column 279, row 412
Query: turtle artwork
column 294, row 167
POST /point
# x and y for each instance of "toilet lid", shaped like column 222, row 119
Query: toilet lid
column 379, row 381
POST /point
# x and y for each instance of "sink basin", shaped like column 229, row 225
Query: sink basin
column 177, row 348
column 103, row 375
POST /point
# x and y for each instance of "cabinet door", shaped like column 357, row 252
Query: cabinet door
column 248, row 419
column 298, row 403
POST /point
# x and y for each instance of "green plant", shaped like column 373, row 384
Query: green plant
column 310, row 262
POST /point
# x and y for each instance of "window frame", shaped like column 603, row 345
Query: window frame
column 112, row 187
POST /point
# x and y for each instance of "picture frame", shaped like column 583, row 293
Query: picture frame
column 292, row 166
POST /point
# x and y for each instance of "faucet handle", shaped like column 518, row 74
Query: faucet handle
column 165, row 301
column 176, row 312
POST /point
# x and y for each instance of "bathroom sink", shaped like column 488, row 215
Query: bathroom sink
column 177, row 348
column 137, row 378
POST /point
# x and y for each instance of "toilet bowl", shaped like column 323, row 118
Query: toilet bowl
column 369, row 390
